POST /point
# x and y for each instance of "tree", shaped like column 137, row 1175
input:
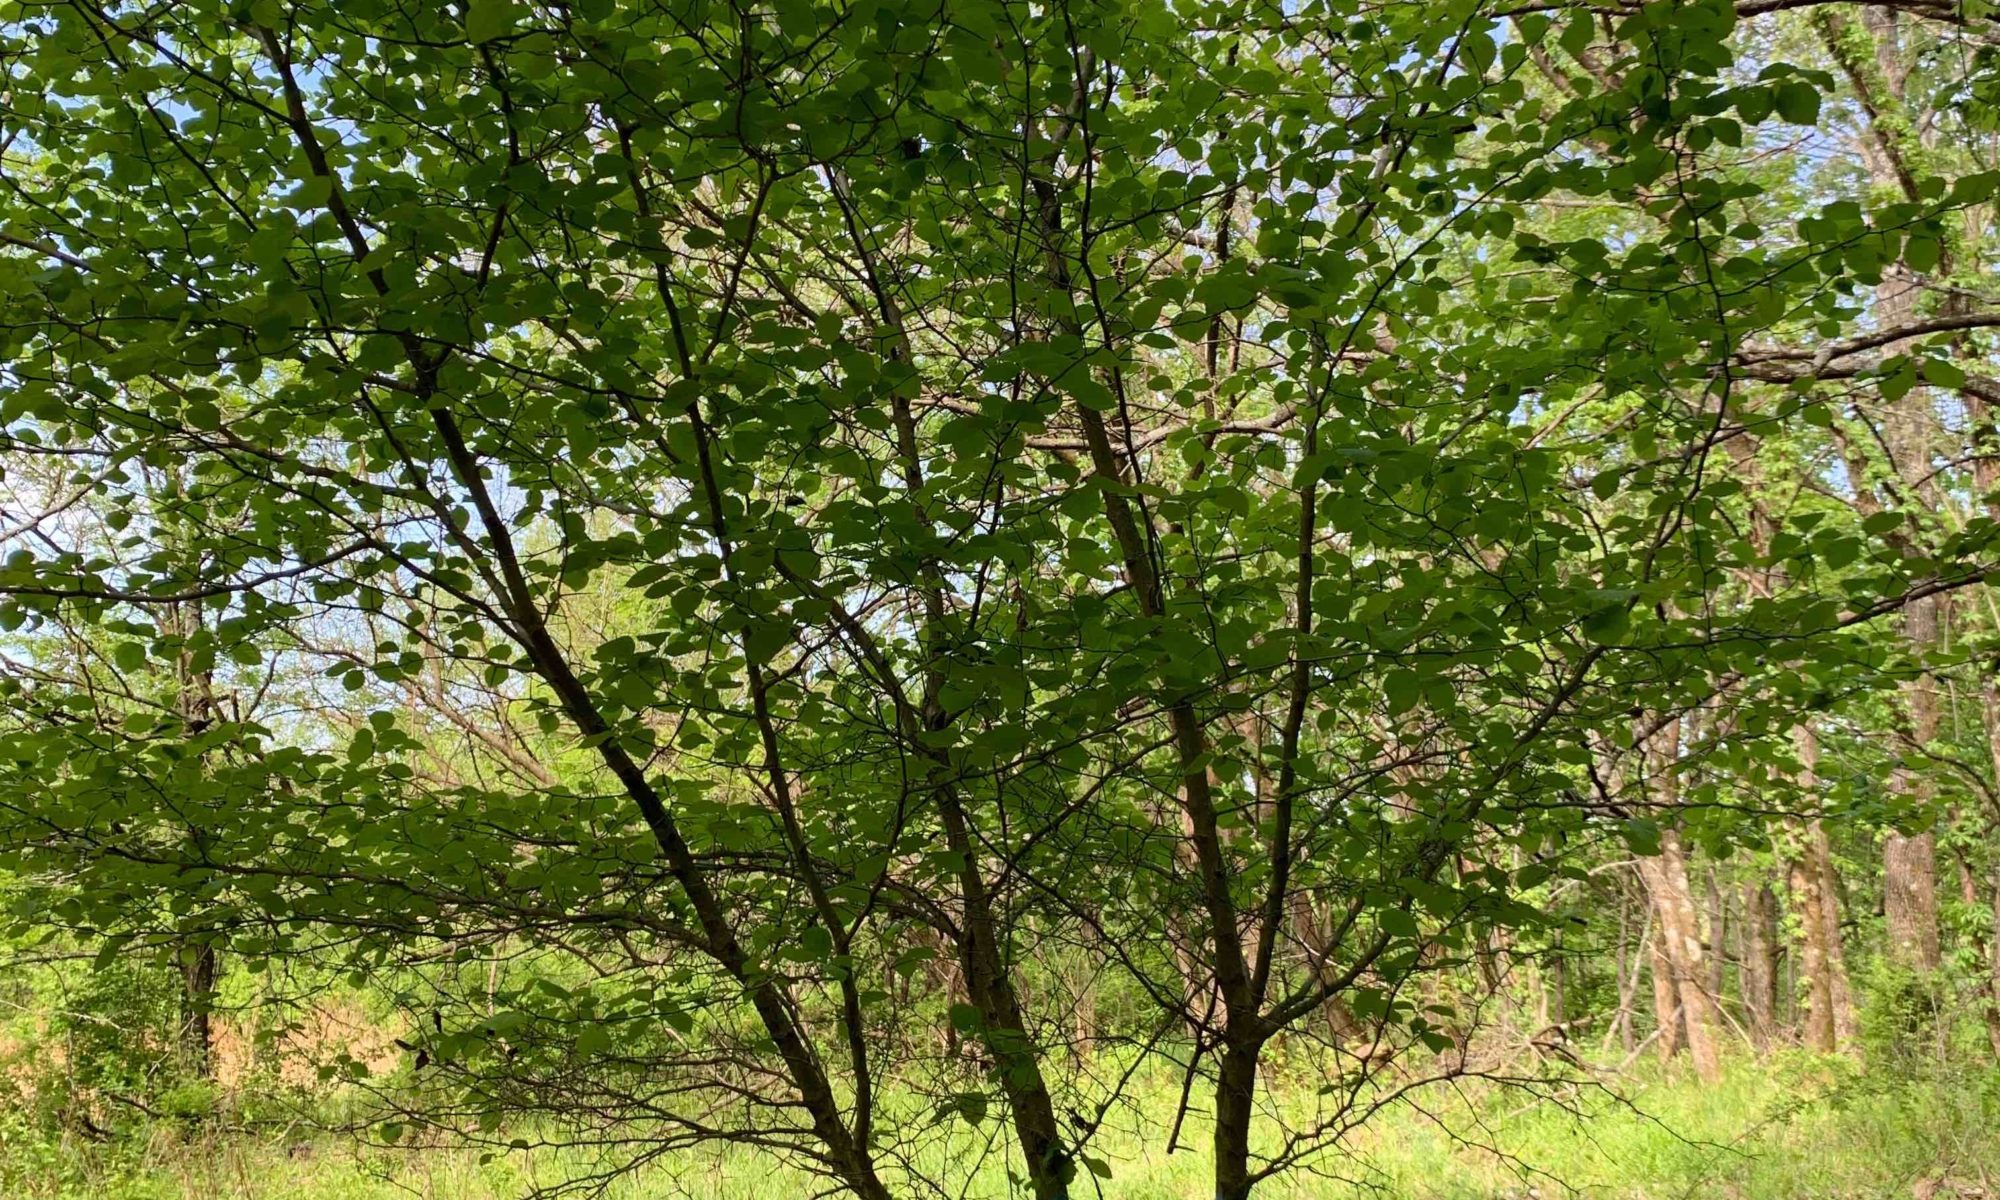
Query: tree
column 788, row 491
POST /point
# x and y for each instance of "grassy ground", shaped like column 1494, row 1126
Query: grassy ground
column 1788, row 1128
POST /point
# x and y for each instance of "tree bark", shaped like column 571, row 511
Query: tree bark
column 1342, row 1027
column 1909, row 862
column 1758, row 976
column 1669, row 1029
column 1680, row 951
column 1680, row 946
column 1993, row 975
column 199, row 969
column 1003, row 1026
column 1818, row 1026
column 1909, row 899
column 1879, row 78
column 1829, row 1003
column 1716, row 907
column 1235, row 1099
column 1846, row 1025
column 200, row 966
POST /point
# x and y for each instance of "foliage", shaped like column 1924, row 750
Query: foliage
column 737, row 564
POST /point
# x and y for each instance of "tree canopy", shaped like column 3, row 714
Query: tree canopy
column 741, row 506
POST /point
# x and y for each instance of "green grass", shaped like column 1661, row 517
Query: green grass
column 1787, row 1128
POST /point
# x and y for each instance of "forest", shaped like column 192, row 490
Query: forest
column 1165, row 599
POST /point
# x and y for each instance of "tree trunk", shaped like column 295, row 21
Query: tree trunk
column 1829, row 1003
column 1758, row 976
column 198, row 979
column 1002, row 1024
column 1909, row 863
column 1235, row 1096
column 1680, row 945
column 1818, row 1032
column 1846, row 1026
column 1716, row 904
column 1681, row 952
column 199, row 965
column 1993, row 976
column 1667, row 1023
column 1909, row 899
column 1889, row 144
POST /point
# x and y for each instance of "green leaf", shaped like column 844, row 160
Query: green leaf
column 1899, row 376
column 1797, row 102
column 1608, row 624
column 1940, row 373
column 1886, row 521
column 1642, row 836
column 1753, row 104
column 313, row 193
column 764, row 640
column 107, row 953
column 1403, row 688
column 1398, row 923
column 965, row 1018
column 1922, row 252
column 489, row 19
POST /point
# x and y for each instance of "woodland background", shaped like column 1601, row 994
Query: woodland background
column 982, row 597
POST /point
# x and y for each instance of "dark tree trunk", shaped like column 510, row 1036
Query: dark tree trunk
column 1003, row 1027
column 1758, row 976
column 1235, row 1100
column 198, row 979
column 199, row 964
